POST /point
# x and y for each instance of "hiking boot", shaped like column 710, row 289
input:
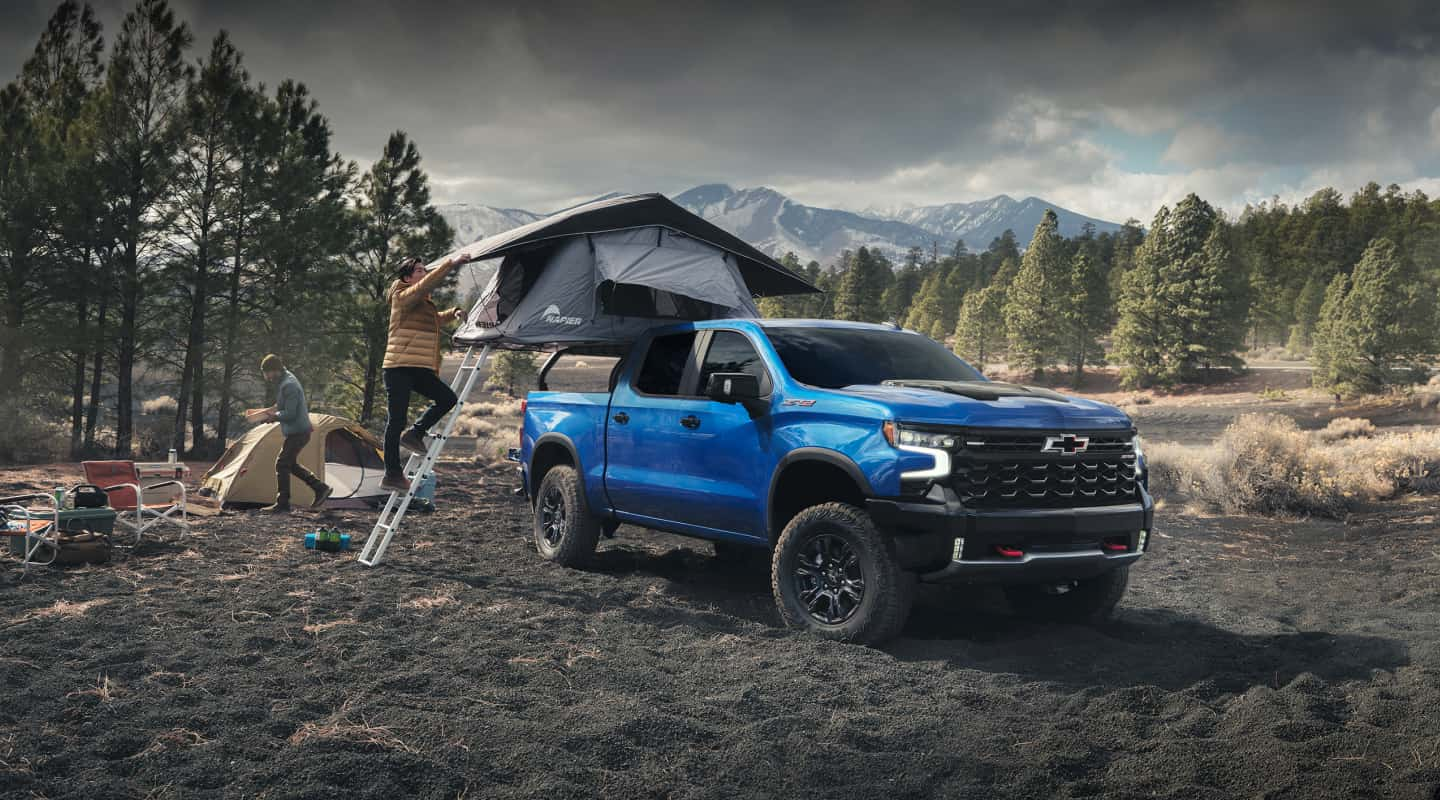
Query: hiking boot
column 395, row 483
column 321, row 495
column 414, row 441
column 277, row 508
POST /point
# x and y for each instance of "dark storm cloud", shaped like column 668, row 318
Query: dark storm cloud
column 535, row 103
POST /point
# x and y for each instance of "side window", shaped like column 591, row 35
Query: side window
column 664, row 365
column 732, row 352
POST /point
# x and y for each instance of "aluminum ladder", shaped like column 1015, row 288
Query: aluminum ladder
column 418, row 467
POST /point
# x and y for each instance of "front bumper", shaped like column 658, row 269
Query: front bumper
column 946, row 542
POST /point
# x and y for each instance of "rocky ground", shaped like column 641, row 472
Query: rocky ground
column 1252, row 658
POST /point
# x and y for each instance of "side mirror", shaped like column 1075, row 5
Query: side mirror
column 735, row 387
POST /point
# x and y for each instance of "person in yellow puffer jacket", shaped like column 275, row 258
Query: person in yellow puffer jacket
column 412, row 361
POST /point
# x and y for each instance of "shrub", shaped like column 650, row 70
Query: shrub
column 164, row 404
column 1264, row 464
column 1346, row 428
column 1273, row 395
column 28, row 437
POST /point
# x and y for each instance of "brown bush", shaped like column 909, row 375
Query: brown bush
column 1264, row 464
column 1346, row 428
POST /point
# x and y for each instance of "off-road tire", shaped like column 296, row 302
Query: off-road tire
column 1092, row 600
column 569, row 539
column 888, row 591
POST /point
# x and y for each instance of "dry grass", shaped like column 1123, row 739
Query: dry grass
column 1346, row 428
column 339, row 727
column 431, row 602
column 63, row 609
column 105, row 690
column 1264, row 464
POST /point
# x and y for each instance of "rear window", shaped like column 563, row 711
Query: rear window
column 832, row 358
column 664, row 365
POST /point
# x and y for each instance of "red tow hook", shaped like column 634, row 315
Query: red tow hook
column 1115, row 547
column 1009, row 552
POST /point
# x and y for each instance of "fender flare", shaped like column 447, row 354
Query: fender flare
column 548, row 439
column 822, row 455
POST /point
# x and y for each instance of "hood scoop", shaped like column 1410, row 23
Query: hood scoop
column 979, row 390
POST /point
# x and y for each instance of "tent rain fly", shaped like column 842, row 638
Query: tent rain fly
column 605, row 272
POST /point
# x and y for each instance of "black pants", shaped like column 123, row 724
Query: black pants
column 399, row 383
column 287, row 464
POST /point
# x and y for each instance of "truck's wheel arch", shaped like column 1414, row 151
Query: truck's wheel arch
column 551, row 449
column 843, row 481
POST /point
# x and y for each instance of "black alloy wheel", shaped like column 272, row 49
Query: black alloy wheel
column 829, row 579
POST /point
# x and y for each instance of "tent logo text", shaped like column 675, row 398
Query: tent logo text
column 552, row 315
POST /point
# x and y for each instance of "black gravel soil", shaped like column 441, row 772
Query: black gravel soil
column 1250, row 659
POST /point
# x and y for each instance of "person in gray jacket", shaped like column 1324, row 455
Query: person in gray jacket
column 293, row 415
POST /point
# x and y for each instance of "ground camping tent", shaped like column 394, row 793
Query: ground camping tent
column 604, row 272
column 339, row 452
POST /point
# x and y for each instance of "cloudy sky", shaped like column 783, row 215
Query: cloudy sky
column 1106, row 108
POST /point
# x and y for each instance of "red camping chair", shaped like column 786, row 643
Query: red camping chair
column 121, row 482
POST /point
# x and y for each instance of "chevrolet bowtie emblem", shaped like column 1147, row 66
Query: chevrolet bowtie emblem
column 1069, row 444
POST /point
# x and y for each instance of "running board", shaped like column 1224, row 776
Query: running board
column 418, row 467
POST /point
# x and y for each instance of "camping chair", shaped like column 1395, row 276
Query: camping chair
column 38, row 529
column 121, row 482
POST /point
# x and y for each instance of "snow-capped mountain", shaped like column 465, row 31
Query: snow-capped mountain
column 777, row 224
column 475, row 222
column 981, row 221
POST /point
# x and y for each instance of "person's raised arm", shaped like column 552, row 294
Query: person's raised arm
column 409, row 295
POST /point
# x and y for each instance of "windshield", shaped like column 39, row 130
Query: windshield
column 831, row 358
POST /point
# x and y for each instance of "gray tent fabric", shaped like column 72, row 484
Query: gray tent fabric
column 606, row 272
column 605, row 288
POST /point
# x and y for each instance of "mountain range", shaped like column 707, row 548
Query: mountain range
column 777, row 224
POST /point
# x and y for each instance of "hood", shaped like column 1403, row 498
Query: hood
column 991, row 405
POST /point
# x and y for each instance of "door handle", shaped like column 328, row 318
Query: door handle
column 621, row 418
column 692, row 422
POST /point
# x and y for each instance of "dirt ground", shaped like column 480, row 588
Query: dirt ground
column 1252, row 658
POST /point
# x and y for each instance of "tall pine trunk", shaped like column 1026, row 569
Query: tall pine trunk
column 194, row 352
column 92, row 412
column 77, row 386
column 232, row 341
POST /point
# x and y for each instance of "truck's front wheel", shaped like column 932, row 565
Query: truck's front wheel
column 833, row 574
column 1087, row 601
column 565, row 532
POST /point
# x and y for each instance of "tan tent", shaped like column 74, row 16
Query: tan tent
column 339, row 452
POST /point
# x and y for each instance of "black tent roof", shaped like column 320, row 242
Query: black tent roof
column 764, row 276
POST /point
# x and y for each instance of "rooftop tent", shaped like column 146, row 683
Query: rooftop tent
column 604, row 272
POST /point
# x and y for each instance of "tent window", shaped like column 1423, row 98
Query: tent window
column 664, row 365
column 634, row 300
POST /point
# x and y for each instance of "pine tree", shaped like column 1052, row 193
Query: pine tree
column 1032, row 324
column 1085, row 314
column 204, row 176
column 1384, row 331
column 862, row 288
column 1331, row 347
column 926, row 307
column 980, row 330
column 60, row 81
column 141, row 120
column 511, row 369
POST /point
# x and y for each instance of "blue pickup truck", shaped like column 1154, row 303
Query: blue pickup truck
column 863, row 458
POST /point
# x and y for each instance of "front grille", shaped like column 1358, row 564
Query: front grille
column 1004, row 469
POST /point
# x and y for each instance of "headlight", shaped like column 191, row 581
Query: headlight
column 901, row 436
column 935, row 445
column 1140, row 465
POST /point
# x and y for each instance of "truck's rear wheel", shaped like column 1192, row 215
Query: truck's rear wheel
column 565, row 532
column 1087, row 601
column 833, row 574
